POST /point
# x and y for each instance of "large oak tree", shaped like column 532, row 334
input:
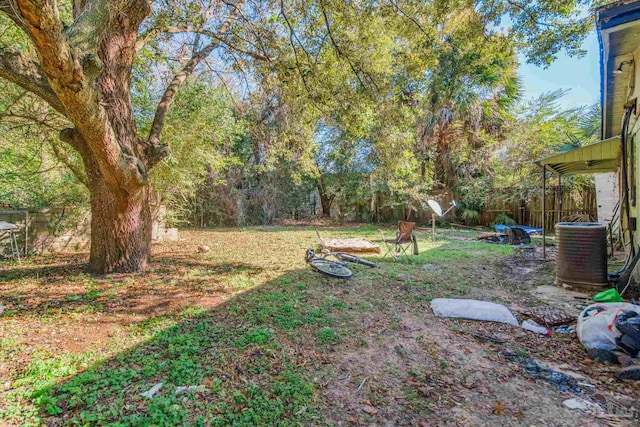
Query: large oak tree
column 83, row 70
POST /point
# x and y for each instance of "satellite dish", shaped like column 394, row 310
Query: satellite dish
column 435, row 206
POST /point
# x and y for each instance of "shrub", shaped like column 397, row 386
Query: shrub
column 504, row 219
column 470, row 216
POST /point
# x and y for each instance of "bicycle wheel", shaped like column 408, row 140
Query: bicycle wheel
column 353, row 259
column 330, row 268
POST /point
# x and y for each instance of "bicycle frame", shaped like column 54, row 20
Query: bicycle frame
column 342, row 258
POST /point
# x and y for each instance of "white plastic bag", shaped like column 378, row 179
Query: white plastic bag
column 472, row 309
column 597, row 324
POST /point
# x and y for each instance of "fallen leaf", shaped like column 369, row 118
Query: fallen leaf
column 369, row 409
column 499, row 409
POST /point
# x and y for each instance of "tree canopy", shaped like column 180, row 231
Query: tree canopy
column 239, row 94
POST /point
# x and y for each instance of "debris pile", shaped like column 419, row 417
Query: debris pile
column 563, row 382
column 606, row 328
column 510, row 234
column 609, row 331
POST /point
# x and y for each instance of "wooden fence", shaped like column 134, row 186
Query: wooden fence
column 573, row 203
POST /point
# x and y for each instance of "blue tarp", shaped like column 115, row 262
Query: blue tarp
column 530, row 230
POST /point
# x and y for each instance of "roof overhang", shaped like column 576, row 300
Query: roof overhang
column 600, row 157
column 618, row 29
column 618, row 13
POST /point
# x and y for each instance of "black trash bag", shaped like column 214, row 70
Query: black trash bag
column 628, row 345
column 628, row 324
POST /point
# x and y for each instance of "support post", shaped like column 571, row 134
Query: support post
column 544, row 211
column 433, row 227
column 559, row 196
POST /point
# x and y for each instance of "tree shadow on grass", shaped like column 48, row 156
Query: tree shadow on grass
column 253, row 354
column 246, row 353
column 63, row 267
column 55, row 272
column 171, row 282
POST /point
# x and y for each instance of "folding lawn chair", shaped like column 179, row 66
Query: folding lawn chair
column 405, row 238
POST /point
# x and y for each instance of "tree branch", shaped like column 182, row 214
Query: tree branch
column 152, row 32
column 95, row 136
column 55, row 55
column 292, row 37
column 17, row 68
column 65, row 158
column 156, row 151
column 193, row 29
column 78, row 7
column 259, row 39
column 410, row 18
column 10, row 9
column 83, row 34
column 28, row 118
column 532, row 17
column 340, row 53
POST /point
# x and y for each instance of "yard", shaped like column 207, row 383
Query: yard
column 269, row 342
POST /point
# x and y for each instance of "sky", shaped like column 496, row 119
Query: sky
column 580, row 75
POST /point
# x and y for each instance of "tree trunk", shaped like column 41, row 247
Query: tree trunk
column 120, row 216
column 83, row 70
column 325, row 202
column 325, row 199
column 120, row 229
column 443, row 174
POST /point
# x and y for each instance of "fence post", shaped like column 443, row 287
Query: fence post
column 26, row 233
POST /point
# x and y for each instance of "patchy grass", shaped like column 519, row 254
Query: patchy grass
column 270, row 341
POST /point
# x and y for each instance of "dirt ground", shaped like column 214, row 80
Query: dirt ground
column 320, row 351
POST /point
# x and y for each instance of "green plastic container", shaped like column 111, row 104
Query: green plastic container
column 610, row 295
